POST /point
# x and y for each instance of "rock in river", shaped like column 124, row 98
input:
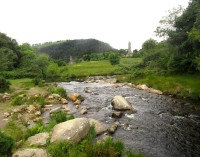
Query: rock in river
column 73, row 130
column 98, row 126
column 120, row 103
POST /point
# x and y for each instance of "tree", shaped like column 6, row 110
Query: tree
column 167, row 22
column 114, row 58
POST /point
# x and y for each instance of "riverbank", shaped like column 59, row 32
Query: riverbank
column 184, row 86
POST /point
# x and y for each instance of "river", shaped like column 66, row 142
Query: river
column 162, row 127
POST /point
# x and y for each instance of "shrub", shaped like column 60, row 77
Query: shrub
column 14, row 130
column 39, row 100
column 6, row 144
column 18, row 100
column 34, row 130
column 59, row 90
column 137, row 74
column 4, row 84
column 37, row 81
column 114, row 59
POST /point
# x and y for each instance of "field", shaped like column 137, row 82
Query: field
column 104, row 67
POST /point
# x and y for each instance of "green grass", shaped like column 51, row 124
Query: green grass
column 22, row 83
column 104, row 67
column 186, row 85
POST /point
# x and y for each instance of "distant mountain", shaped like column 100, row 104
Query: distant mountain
column 62, row 50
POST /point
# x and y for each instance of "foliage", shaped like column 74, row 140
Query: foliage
column 6, row 144
column 59, row 117
column 9, row 53
column 34, row 130
column 167, row 22
column 88, row 147
column 4, row 84
column 58, row 90
column 62, row 50
column 37, row 81
column 114, row 58
column 14, row 130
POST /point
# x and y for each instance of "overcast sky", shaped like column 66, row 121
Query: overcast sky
column 113, row 21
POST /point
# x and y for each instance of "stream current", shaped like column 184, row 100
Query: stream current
column 162, row 127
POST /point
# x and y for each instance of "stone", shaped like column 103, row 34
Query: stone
column 65, row 108
column 142, row 87
column 113, row 128
column 56, row 96
column 84, row 111
column 31, row 152
column 120, row 103
column 50, row 97
column 99, row 127
column 39, row 139
column 31, row 109
column 87, row 90
column 57, row 109
column 38, row 113
column 77, row 106
column 72, row 130
column 74, row 96
column 154, row 91
column 63, row 101
column 6, row 115
column 77, row 102
column 117, row 114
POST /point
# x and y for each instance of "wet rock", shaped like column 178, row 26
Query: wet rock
column 99, row 127
column 50, row 97
column 117, row 114
column 84, row 111
column 120, row 103
column 73, row 130
column 63, row 101
column 113, row 128
column 31, row 152
column 38, row 139
column 77, row 106
column 74, row 97
column 87, row 90
column 77, row 102
column 154, row 91
column 65, row 108
column 57, row 109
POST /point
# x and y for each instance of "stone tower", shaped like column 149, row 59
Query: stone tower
column 129, row 47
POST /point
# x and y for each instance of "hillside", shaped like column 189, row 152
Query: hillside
column 63, row 49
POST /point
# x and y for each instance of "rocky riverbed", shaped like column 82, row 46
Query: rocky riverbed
column 162, row 126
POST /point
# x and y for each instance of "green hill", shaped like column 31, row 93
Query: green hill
column 77, row 48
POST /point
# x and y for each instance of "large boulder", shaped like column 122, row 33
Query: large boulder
column 98, row 126
column 32, row 152
column 39, row 139
column 73, row 130
column 120, row 103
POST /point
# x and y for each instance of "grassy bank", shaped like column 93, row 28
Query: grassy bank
column 186, row 85
column 104, row 67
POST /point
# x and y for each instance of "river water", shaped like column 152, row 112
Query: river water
column 162, row 127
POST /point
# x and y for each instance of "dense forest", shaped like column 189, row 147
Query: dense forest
column 62, row 50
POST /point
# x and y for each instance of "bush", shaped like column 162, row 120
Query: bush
column 18, row 100
column 37, row 81
column 39, row 100
column 59, row 117
column 59, row 90
column 114, row 59
column 137, row 74
column 6, row 144
column 34, row 130
column 4, row 84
